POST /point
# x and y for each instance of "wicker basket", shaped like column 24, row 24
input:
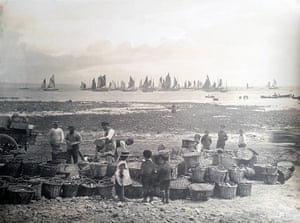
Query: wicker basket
column 244, row 189
column 88, row 187
column 36, row 185
column 236, row 175
column 271, row 178
column 260, row 170
column 19, row 194
column 48, row 170
column 69, row 189
column 13, row 168
column 105, row 188
column 179, row 188
column 98, row 170
column 218, row 175
column 51, row 189
column 31, row 169
column 3, row 190
column 191, row 159
column 199, row 174
column 201, row 192
column 227, row 191
column 271, row 170
column 134, row 191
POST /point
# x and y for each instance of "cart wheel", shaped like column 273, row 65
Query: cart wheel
column 7, row 143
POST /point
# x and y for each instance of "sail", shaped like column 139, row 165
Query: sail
column 274, row 84
column 214, row 85
column 189, row 84
column 51, row 82
column 94, row 84
column 83, row 85
column 220, row 84
column 131, row 83
column 168, row 81
column 44, row 84
column 175, row 83
column 123, row 85
column 207, row 83
column 146, row 83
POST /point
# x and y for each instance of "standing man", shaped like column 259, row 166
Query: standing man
column 222, row 138
column 242, row 139
column 73, row 139
column 109, row 143
column 206, row 140
column 56, row 139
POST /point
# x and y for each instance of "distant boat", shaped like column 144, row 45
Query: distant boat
column 209, row 96
column 101, row 84
column 51, row 86
column 112, row 86
column 131, row 85
column 273, row 85
column 165, row 84
column 83, row 86
column 207, row 84
column 25, row 87
column 148, row 85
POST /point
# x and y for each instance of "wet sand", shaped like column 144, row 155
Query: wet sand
column 153, row 124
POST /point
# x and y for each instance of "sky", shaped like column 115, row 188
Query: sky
column 249, row 41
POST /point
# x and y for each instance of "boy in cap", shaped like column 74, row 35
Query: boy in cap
column 164, row 177
column 147, row 172
column 73, row 139
column 122, row 177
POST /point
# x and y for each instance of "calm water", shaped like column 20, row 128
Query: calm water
column 69, row 92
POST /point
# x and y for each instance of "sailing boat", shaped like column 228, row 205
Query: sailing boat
column 51, row 85
column 101, row 84
column 131, row 85
column 147, row 86
column 273, row 85
column 207, row 84
column 83, row 86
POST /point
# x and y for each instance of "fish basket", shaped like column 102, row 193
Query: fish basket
column 105, row 188
column 244, row 189
column 69, row 189
column 3, row 190
column 13, row 169
column 218, row 175
column 135, row 190
column 6, row 158
column 48, row 170
column 201, row 191
column 88, row 187
column 271, row 178
column 19, row 194
column 227, row 191
column 236, row 175
column 51, row 189
column 31, row 169
column 179, row 188
column 192, row 159
column 199, row 174
column 271, row 170
column 36, row 185
column 98, row 170
column 85, row 172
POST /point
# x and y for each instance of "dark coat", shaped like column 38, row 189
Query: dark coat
column 164, row 172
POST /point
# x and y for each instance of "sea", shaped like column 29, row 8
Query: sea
column 234, row 96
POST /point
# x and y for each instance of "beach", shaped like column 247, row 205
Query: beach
column 151, row 124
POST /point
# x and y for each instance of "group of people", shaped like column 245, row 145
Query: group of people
column 204, row 142
column 115, row 153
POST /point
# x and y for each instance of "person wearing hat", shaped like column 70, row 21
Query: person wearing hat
column 122, row 178
column 222, row 138
column 73, row 139
column 109, row 147
column 206, row 141
column 56, row 139
column 121, row 146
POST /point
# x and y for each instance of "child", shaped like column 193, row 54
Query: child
column 164, row 177
column 147, row 172
column 197, row 148
column 121, row 177
column 206, row 140
column 242, row 139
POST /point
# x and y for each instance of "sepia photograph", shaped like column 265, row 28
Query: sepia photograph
column 150, row 111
